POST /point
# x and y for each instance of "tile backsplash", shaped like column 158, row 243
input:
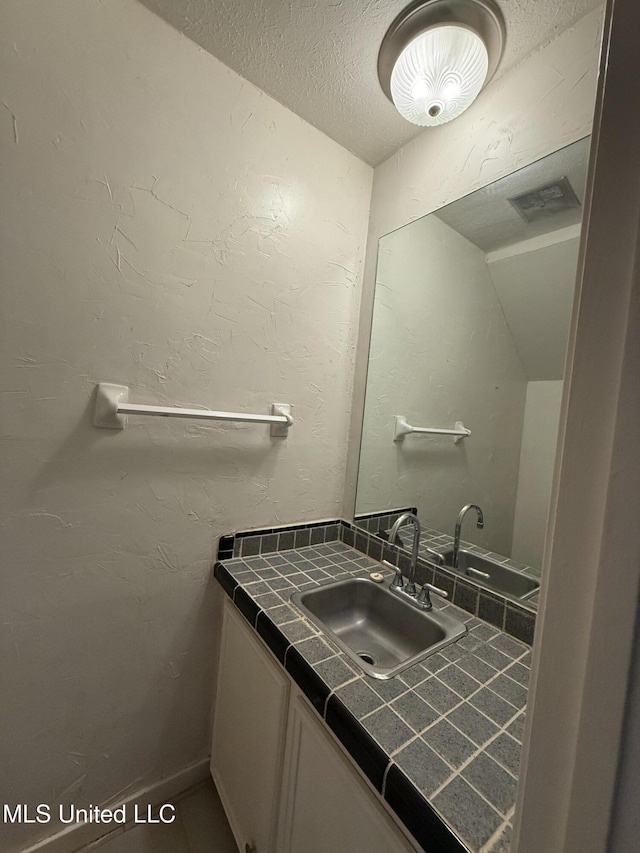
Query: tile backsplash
column 503, row 613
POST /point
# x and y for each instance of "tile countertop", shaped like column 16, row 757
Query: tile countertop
column 440, row 741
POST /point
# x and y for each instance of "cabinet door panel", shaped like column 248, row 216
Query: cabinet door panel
column 248, row 734
column 326, row 805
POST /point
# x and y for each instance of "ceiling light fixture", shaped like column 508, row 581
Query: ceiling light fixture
column 437, row 55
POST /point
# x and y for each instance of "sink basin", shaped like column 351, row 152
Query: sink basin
column 492, row 575
column 376, row 628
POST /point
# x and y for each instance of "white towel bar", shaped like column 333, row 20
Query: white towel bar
column 112, row 407
column 402, row 428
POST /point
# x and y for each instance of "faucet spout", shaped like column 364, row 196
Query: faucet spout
column 409, row 517
column 456, row 535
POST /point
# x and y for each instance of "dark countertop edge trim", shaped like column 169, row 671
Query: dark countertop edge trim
column 284, row 528
column 418, row 815
column 226, row 580
column 368, row 755
column 372, row 760
column 307, row 679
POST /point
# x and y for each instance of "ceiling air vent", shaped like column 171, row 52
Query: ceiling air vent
column 556, row 197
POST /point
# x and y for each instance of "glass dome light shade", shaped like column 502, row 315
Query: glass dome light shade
column 439, row 74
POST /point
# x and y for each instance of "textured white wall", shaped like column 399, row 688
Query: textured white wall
column 537, row 457
column 441, row 352
column 535, row 287
column 542, row 104
column 167, row 226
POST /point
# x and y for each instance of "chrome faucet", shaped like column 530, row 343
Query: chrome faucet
column 456, row 535
column 398, row 583
column 422, row 598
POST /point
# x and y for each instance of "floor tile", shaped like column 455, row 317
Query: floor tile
column 205, row 824
column 200, row 826
column 157, row 838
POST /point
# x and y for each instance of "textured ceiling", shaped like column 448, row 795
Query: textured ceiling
column 319, row 57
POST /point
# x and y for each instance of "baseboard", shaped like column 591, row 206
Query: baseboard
column 76, row 836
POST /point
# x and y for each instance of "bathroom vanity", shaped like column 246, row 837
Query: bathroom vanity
column 311, row 753
column 284, row 781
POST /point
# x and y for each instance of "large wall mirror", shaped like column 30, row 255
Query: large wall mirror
column 470, row 328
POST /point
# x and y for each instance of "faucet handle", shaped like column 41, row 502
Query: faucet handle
column 441, row 592
column 434, row 556
column 398, row 581
column 424, row 599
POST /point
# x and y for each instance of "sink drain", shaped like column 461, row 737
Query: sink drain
column 366, row 657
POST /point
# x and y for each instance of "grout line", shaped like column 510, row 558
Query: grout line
column 441, row 716
column 353, row 567
column 497, row 835
column 326, row 705
column 384, row 779
column 445, row 716
column 465, row 764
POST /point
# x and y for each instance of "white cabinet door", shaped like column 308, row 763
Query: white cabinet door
column 326, row 804
column 248, row 734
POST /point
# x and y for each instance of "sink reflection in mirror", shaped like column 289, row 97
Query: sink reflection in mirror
column 492, row 575
column 382, row 633
column 470, row 327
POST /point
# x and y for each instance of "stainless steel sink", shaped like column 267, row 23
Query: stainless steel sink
column 492, row 575
column 379, row 631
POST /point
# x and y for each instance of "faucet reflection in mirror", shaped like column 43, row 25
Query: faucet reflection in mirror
column 471, row 317
column 458, row 529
